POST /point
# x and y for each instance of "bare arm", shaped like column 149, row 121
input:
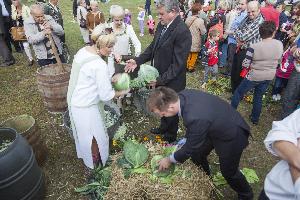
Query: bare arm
column 288, row 152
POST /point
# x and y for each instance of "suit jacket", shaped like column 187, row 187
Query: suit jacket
column 205, row 115
column 169, row 54
column 7, row 4
column 55, row 14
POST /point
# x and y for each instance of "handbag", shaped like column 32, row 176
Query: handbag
column 18, row 33
column 82, row 21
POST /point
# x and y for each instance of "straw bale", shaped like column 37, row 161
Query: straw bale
column 195, row 186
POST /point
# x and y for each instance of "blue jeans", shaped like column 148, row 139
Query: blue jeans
column 223, row 57
column 260, row 88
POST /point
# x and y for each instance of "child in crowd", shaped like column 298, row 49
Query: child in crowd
column 211, row 57
column 151, row 24
column 127, row 17
column 140, row 18
column 283, row 73
column 283, row 19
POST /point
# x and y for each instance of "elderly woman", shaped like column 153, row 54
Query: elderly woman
column 124, row 33
column 89, row 86
column 261, row 63
column 19, row 13
column 81, row 18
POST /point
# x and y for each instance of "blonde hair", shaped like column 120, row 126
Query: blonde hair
column 116, row 11
column 102, row 38
column 225, row 4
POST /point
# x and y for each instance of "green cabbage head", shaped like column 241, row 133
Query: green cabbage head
column 136, row 154
column 122, row 82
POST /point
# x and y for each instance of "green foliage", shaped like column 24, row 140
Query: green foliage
column 136, row 154
column 169, row 150
column 155, row 165
column 218, row 87
column 218, row 179
column 122, row 82
column 250, row 175
column 99, row 184
column 146, row 74
column 120, row 133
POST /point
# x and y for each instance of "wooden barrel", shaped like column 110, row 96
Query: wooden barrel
column 29, row 129
column 20, row 176
column 53, row 81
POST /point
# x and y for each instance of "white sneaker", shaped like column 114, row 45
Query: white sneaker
column 278, row 97
column 274, row 97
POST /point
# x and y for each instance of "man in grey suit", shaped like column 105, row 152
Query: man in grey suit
column 168, row 53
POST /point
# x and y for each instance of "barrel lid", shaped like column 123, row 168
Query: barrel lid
column 20, row 124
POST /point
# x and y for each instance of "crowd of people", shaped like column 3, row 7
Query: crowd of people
column 255, row 43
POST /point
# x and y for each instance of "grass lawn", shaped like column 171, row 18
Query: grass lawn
column 64, row 172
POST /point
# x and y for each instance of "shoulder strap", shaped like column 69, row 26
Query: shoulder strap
column 192, row 22
column 80, row 13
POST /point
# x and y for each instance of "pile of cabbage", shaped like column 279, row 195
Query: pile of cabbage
column 146, row 74
column 135, row 175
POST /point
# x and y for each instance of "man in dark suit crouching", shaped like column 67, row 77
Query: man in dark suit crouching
column 211, row 123
column 168, row 53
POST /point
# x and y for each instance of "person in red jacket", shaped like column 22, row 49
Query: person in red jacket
column 211, row 53
column 270, row 13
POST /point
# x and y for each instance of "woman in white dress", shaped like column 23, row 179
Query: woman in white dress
column 81, row 14
column 90, row 86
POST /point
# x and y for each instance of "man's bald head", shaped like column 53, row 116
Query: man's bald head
column 253, row 9
column 37, row 12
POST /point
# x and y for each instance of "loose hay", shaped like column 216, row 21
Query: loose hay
column 196, row 185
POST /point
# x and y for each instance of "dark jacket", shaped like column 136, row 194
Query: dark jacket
column 205, row 115
column 169, row 54
column 3, row 20
column 55, row 14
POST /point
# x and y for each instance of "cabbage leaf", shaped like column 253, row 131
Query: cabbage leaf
column 136, row 154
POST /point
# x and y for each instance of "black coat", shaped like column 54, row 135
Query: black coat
column 7, row 4
column 205, row 115
column 169, row 54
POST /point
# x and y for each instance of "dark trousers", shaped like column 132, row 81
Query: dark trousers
column 230, row 55
column 44, row 62
column 229, row 153
column 169, row 127
column 291, row 95
column 236, row 69
column 279, row 84
column 260, row 88
column 263, row 196
column 5, row 53
column 7, row 25
column 148, row 9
